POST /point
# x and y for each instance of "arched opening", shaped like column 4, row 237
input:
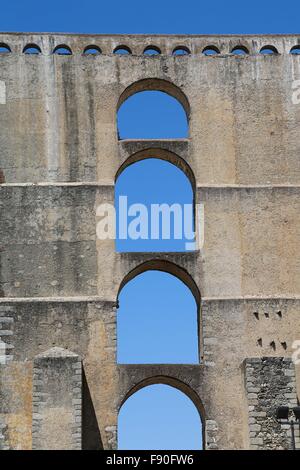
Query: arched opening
column 32, row 49
column 158, row 316
column 92, row 50
column 4, row 48
column 122, row 50
column 269, row 50
column 295, row 50
column 161, row 414
column 153, row 109
column 168, row 267
column 210, row 50
column 154, row 200
column 181, row 50
column 240, row 50
column 152, row 50
column 62, row 50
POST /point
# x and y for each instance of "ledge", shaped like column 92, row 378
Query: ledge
column 12, row 300
column 251, row 297
column 108, row 184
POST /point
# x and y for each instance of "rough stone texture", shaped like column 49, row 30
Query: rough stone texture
column 211, row 428
column 48, row 241
column 57, row 401
column 86, row 327
column 6, row 334
column 60, row 156
column 270, row 382
column 3, row 438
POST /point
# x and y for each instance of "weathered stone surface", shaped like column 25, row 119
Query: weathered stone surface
column 274, row 390
column 59, row 159
column 56, row 425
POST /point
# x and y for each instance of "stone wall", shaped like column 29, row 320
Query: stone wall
column 57, row 401
column 6, row 334
column 59, row 285
column 270, row 383
column 4, row 444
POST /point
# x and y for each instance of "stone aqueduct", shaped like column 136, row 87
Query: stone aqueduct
column 60, row 385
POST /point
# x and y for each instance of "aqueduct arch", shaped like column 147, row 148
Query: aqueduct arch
column 59, row 283
column 168, row 267
column 161, row 154
column 156, row 84
column 173, row 382
column 176, row 384
column 141, row 104
column 192, row 317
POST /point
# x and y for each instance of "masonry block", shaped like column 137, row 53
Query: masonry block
column 274, row 388
column 57, row 399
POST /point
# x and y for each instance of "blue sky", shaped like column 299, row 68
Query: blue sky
column 158, row 324
column 174, row 424
column 157, row 318
column 154, row 181
column 157, row 16
column 153, row 115
column 154, row 303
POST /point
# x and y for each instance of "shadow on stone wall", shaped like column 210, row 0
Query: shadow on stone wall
column 91, row 437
